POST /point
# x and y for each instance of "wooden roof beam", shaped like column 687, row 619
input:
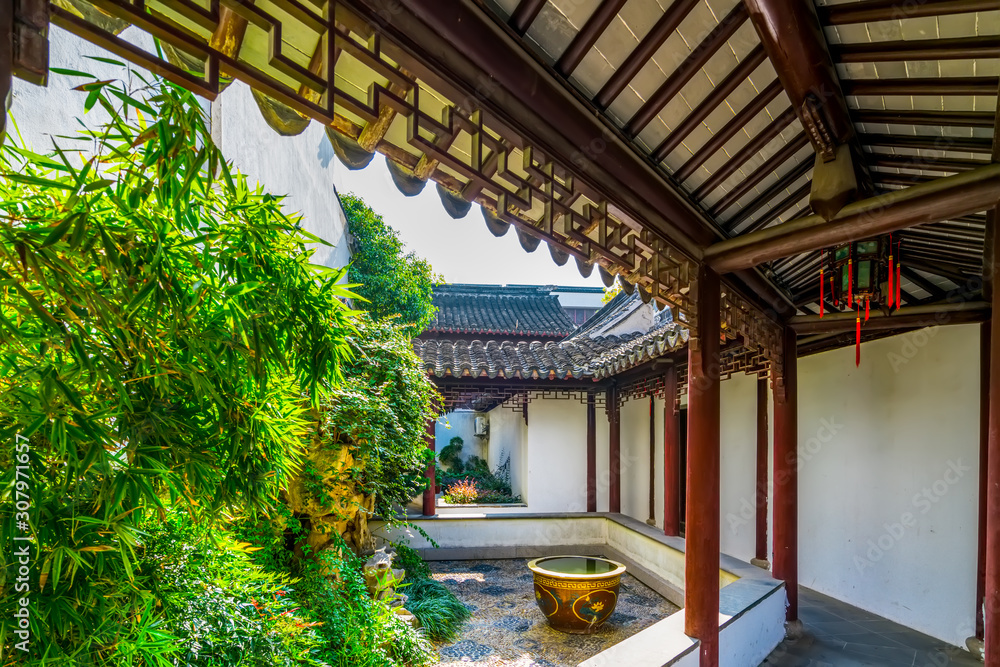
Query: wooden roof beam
column 752, row 148
column 768, row 167
column 929, row 142
column 778, row 209
column 796, row 45
column 934, row 86
column 691, row 65
column 525, row 15
column 931, row 118
column 649, row 45
column 731, row 129
column 711, row 103
column 782, row 184
column 923, row 283
column 947, row 165
column 588, row 35
column 966, row 311
column 958, row 48
column 941, row 199
column 892, row 10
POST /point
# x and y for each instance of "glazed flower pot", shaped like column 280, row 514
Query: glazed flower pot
column 576, row 594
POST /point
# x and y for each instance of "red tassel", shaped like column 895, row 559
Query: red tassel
column 892, row 292
column 857, row 341
column 836, row 299
column 866, row 310
column 821, row 281
column 899, row 267
column 850, row 283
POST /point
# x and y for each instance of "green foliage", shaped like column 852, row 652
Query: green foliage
column 440, row 613
column 408, row 559
column 357, row 631
column 493, row 486
column 380, row 410
column 224, row 609
column 162, row 334
column 462, row 492
column 395, row 284
column 451, row 454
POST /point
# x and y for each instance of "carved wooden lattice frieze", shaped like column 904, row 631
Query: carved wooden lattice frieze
column 486, row 397
column 322, row 61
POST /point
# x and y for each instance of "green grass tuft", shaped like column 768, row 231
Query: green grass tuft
column 440, row 613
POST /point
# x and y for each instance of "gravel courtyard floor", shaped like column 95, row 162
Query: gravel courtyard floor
column 508, row 630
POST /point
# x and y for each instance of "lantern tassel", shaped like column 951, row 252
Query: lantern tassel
column 821, row 281
column 850, row 283
column 899, row 272
column 866, row 310
column 857, row 340
column 892, row 291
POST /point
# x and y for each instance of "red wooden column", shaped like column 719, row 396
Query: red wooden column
column 671, row 455
column 760, row 552
column 786, row 480
column 991, row 594
column 614, row 452
column 591, row 453
column 701, row 557
column 984, row 443
column 429, row 505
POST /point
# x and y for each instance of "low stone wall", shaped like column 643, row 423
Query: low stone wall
column 752, row 603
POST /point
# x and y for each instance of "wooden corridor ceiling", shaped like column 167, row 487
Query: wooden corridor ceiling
column 628, row 135
column 689, row 84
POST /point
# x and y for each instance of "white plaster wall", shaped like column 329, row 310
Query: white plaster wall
column 889, row 481
column 737, row 502
column 603, row 460
column 749, row 639
column 658, row 460
column 635, row 457
column 507, row 435
column 42, row 114
column 557, row 456
column 300, row 167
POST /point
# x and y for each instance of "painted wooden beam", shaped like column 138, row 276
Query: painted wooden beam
column 942, row 199
column 907, row 317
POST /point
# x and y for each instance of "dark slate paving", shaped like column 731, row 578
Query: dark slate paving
column 839, row 635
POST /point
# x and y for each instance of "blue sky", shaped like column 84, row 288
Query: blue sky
column 464, row 251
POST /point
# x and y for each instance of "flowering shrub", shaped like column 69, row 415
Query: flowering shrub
column 462, row 492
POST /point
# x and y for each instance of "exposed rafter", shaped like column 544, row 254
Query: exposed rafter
column 964, row 48
column 588, row 35
column 525, row 15
column 649, row 45
column 688, row 68
column 752, row 148
column 937, row 86
column 941, row 199
column 731, row 129
column 710, row 103
column 892, row 10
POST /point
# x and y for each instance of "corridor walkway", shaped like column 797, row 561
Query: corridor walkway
column 837, row 634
